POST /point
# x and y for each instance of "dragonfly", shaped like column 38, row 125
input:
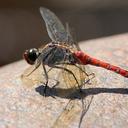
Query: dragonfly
column 63, row 51
column 59, row 54
column 64, row 54
column 57, row 58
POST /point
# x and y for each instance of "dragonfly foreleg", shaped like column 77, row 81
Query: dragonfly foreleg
column 36, row 66
column 46, row 77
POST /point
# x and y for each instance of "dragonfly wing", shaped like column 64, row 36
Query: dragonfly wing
column 68, row 116
column 75, row 107
column 34, row 78
column 55, row 28
column 38, row 78
column 71, row 42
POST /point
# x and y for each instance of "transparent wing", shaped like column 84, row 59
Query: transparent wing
column 55, row 28
column 75, row 107
column 35, row 78
column 68, row 116
column 80, row 71
column 72, row 43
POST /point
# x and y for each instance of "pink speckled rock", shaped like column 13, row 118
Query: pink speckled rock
column 22, row 107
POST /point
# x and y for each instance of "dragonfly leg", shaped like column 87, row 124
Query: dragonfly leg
column 36, row 66
column 67, row 70
column 92, row 74
column 49, row 69
column 79, row 68
column 57, row 82
column 88, row 80
column 88, row 75
column 82, row 70
column 46, row 77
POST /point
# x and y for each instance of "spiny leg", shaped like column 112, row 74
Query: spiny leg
column 88, row 75
column 57, row 82
column 67, row 70
column 92, row 74
column 49, row 69
column 87, row 81
column 46, row 77
column 36, row 66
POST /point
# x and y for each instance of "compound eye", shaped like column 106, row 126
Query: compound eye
column 31, row 55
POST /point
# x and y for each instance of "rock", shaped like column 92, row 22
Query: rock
column 26, row 107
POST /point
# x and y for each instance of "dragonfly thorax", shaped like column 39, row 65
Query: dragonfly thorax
column 54, row 54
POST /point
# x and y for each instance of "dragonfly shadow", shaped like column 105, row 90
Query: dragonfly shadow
column 69, row 94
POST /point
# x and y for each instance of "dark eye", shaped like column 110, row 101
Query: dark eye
column 31, row 55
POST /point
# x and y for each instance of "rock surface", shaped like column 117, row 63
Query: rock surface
column 22, row 107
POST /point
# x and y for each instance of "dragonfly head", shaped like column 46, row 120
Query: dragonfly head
column 31, row 55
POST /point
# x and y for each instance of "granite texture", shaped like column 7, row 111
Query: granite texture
column 26, row 107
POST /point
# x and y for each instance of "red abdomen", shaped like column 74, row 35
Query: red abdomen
column 85, row 59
